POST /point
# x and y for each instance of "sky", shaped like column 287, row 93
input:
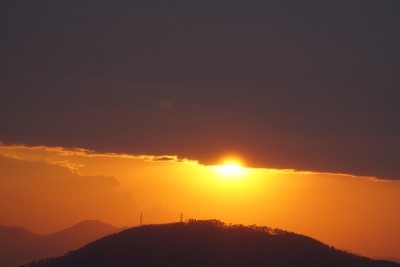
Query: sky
column 309, row 86
column 305, row 94
column 45, row 189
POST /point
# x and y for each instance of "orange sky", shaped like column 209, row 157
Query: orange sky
column 48, row 188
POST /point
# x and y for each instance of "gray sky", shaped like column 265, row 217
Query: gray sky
column 285, row 84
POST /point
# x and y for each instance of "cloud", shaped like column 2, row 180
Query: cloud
column 288, row 97
column 14, row 150
column 77, row 180
column 47, row 196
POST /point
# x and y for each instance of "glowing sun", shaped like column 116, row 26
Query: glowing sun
column 230, row 169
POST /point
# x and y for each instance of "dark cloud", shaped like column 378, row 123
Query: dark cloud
column 312, row 86
column 164, row 158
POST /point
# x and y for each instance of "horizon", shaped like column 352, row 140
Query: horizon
column 117, row 188
column 126, row 237
column 263, row 228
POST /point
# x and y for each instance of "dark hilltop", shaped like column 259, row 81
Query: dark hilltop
column 208, row 243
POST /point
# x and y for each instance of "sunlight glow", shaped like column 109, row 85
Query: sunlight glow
column 230, row 168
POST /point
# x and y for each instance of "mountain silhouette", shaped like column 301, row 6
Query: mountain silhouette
column 15, row 236
column 208, row 243
column 11, row 239
column 19, row 246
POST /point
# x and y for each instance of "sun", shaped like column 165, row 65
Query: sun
column 230, row 168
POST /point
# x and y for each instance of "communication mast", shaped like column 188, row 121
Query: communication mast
column 181, row 220
column 141, row 218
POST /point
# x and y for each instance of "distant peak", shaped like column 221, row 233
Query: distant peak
column 14, row 229
column 92, row 223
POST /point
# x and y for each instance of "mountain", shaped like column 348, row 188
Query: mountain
column 208, row 243
column 77, row 235
column 19, row 246
column 14, row 236
column 11, row 239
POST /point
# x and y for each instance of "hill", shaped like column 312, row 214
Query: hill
column 208, row 243
column 14, row 236
column 19, row 246
column 11, row 239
